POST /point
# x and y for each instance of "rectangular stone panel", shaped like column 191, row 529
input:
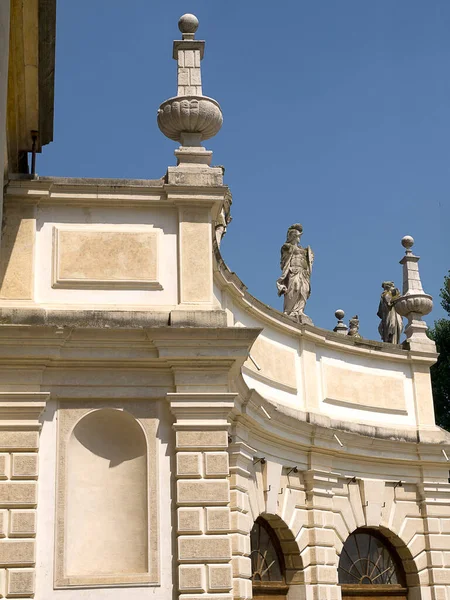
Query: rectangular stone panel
column 195, row 254
column 16, row 552
column 17, row 253
column 191, row 578
column 363, row 390
column 210, row 440
column 22, row 523
column 189, row 464
column 207, row 549
column 216, row 463
column 24, row 466
column 3, row 523
column 20, row 583
column 18, row 494
column 19, row 440
column 105, row 259
column 219, row 578
column 276, row 364
column 190, row 520
column 4, row 466
column 217, row 519
column 203, row 492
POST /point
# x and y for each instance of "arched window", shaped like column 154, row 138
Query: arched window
column 268, row 570
column 369, row 565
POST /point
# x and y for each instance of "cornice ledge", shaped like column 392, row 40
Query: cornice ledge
column 198, row 410
column 22, row 409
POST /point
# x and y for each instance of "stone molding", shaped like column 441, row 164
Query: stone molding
column 22, row 409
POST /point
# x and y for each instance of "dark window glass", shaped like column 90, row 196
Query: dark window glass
column 368, row 560
column 266, row 558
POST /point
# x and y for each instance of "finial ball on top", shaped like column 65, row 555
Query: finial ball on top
column 188, row 23
column 339, row 314
column 407, row 242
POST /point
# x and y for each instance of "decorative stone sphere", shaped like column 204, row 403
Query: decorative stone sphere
column 188, row 23
column 190, row 114
column 339, row 314
column 407, row 242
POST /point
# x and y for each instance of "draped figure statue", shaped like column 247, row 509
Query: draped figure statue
column 391, row 324
column 296, row 266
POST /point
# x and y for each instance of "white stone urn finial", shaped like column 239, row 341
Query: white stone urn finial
column 414, row 303
column 190, row 117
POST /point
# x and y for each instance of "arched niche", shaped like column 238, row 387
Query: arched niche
column 106, row 521
column 369, row 566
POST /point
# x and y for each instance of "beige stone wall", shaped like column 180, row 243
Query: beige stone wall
column 314, row 510
column 19, row 469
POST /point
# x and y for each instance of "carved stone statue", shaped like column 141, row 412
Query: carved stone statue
column 296, row 266
column 391, row 325
column 353, row 327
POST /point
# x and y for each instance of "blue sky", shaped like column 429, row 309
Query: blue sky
column 336, row 115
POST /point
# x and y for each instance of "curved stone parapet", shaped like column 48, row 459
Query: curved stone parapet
column 190, row 114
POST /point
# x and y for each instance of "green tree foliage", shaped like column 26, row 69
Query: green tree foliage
column 440, row 372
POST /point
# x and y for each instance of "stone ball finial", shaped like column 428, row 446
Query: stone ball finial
column 339, row 314
column 407, row 242
column 188, row 23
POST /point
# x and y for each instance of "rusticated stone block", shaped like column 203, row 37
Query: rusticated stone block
column 203, row 492
column 209, row 440
column 191, row 578
column 23, row 523
column 242, row 589
column 16, row 552
column 211, row 548
column 242, row 566
column 19, row 440
column 216, row 463
column 4, row 465
column 239, row 522
column 205, row 597
column 3, row 523
column 189, row 464
column 219, row 578
column 240, row 543
column 18, row 494
column 217, row 520
column 239, row 501
column 20, row 583
column 190, row 520
column 24, row 466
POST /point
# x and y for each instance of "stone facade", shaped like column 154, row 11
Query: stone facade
column 170, row 410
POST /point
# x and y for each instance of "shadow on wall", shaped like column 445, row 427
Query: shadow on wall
column 102, row 433
column 106, row 528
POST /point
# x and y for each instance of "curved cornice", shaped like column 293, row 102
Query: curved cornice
column 306, row 430
column 266, row 315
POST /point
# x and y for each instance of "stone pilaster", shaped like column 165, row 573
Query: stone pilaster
column 241, row 457
column 203, row 494
column 19, row 444
column 320, row 560
column 435, row 510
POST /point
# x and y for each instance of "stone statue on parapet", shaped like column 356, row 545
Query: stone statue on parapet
column 391, row 324
column 294, row 283
column 353, row 327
